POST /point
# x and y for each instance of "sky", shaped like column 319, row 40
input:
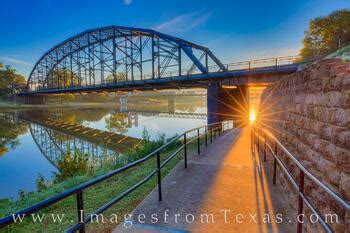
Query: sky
column 233, row 30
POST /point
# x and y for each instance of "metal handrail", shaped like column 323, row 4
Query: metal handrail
column 78, row 190
column 300, row 193
column 302, row 171
column 312, row 177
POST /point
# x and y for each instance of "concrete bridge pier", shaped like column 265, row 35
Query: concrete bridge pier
column 226, row 102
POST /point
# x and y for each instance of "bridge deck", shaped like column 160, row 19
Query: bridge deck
column 266, row 74
column 226, row 176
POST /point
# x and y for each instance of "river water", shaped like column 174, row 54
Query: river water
column 33, row 141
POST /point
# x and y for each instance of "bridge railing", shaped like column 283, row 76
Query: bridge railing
column 242, row 65
column 206, row 134
column 258, row 63
column 271, row 143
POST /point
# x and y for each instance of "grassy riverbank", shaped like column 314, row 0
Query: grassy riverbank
column 95, row 196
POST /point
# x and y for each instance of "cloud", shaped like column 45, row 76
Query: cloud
column 127, row 2
column 184, row 22
column 15, row 61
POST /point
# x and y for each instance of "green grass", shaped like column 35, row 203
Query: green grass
column 95, row 196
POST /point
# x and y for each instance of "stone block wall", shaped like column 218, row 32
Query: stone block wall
column 309, row 112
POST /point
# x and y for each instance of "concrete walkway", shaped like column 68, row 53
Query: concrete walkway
column 224, row 189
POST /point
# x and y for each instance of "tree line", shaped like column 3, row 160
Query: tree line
column 10, row 81
column 326, row 34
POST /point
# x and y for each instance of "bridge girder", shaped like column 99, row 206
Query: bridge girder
column 118, row 54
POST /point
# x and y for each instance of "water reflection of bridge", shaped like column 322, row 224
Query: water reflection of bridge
column 182, row 115
column 114, row 141
column 133, row 116
column 56, row 141
column 57, row 138
column 54, row 145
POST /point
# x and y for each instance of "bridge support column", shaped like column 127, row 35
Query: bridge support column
column 171, row 104
column 226, row 103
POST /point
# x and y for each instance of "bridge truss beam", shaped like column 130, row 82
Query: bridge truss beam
column 117, row 54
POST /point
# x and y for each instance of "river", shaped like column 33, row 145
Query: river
column 33, row 141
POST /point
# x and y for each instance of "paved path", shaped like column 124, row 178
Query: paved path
column 224, row 178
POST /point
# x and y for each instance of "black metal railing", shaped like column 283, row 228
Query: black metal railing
column 274, row 62
column 262, row 135
column 206, row 132
column 249, row 65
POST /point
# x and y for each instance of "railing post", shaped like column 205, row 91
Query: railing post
column 249, row 66
column 206, row 136
column 211, row 135
column 185, row 149
column 300, row 200
column 159, row 177
column 264, row 146
column 198, row 142
column 80, row 207
column 275, row 165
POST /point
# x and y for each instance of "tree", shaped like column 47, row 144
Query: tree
column 10, row 81
column 326, row 35
column 120, row 77
column 19, row 83
column 117, row 122
column 9, row 131
column 63, row 78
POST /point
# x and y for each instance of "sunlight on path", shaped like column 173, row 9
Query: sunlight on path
column 242, row 190
column 225, row 178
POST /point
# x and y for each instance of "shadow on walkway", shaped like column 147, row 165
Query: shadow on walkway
column 224, row 189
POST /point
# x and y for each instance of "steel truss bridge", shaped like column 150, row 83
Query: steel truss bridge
column 125, row 58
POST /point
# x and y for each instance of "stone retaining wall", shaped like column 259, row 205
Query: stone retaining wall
column 310, row 113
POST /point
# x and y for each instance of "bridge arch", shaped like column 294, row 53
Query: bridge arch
column 118, row 54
